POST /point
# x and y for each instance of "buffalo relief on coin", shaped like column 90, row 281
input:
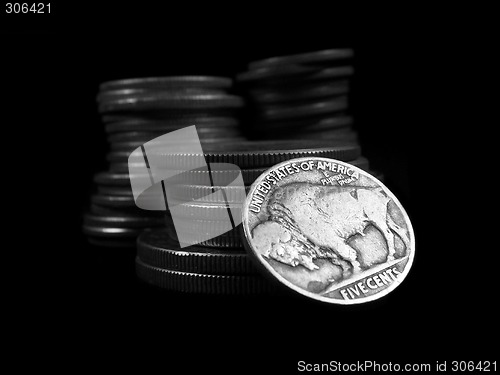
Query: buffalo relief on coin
column 328, row 230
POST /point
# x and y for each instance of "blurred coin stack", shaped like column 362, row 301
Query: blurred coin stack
column 299, row 96
column 303, row 96
column 135, row 111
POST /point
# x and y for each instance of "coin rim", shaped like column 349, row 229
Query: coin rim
column 305, row 58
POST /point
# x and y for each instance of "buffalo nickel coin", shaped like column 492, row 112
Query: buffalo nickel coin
column 328, row 230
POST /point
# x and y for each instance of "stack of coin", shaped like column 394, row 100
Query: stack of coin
column 135, row 111
column 185, row 256
column 302, row 96
column 195, row 269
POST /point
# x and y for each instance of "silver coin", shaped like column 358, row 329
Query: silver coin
column 328, row 230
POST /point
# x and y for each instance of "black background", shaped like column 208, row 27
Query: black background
column 87, row 301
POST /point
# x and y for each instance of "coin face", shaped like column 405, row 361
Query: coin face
column 328, row 230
